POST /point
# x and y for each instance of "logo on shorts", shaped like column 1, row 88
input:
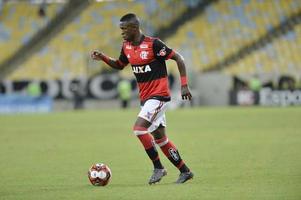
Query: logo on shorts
column 148, row 115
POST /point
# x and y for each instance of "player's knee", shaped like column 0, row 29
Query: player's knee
column 139, row 130
column 159, row 133
column 162, row 141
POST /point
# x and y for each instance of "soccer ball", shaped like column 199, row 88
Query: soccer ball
column 99, row 174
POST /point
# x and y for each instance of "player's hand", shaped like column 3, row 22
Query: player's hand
column 96, row 55
column 186, row 95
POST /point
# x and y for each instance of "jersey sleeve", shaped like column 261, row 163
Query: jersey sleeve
column 123, row 60
column 161, row 51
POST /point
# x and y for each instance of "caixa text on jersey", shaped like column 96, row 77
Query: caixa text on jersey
column 141, row 69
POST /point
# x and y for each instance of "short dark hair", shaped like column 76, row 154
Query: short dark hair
column 130, row 17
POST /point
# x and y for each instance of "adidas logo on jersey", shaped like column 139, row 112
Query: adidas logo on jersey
column 141, row 69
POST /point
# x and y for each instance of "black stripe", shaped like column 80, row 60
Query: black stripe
column 175, row 161
column 160, row 98
column 142, row 73
column 152, row 153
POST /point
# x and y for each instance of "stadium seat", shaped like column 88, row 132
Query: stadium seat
column 67, row 54
column 19, row 22
column 226, row 26
column 223, row 28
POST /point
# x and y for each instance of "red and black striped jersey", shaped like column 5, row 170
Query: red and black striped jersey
column 148, row 64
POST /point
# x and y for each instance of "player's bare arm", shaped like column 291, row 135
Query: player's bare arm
column 185, row 92
column 97, row 55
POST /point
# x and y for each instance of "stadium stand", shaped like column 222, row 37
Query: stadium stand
column 67, row 54
column 279, row 57
column 219, row 37
column 227, row 26
column 69, row 10
column 163, row 12
column 18, row 22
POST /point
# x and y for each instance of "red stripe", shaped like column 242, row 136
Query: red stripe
column 170, row 55
column 142, row 62
column 183, row 80
column 105, row 58
column 121, row 63
column 180, row 164
column 157, row 158
column 146, row 140
column 156, row 111
column 158, row 87
column 161, row 140
column 139, row 128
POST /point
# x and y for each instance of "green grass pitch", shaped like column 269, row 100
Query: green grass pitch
column 235, row 153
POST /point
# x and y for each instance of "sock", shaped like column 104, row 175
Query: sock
column 148, row 143
column 171, row 152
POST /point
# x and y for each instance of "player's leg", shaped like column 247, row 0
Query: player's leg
column 141, row 130
column 169, row 149
column 171, row 152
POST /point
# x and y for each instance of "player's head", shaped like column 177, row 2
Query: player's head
column 129, row 25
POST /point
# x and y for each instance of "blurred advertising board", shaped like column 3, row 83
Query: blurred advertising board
column 16, row 103
column 266, row 97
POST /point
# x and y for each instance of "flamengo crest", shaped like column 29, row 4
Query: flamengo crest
column 173, row 153
column 143, row 55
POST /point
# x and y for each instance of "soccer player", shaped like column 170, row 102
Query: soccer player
column 147, row 57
